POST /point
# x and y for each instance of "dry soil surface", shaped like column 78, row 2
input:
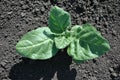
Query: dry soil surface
column 17, row 17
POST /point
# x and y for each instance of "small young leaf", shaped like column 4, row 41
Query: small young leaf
column 37, row 44
column 59, row 20
column 62, row 41
column 75, row 31
column 88, row 44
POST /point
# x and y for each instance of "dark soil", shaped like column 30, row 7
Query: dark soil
column 17, row 17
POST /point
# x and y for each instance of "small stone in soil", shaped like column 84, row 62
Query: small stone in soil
column 42, row 9
column 95, row 72
column 3, row 63
column 2, row 16
column 95, row 2
column 9, row 13
column 36, row 9
column 113, row 74
column 25, row 7
column 114, row 33
column 111, row 69
column 36, row 19
column 22, row 14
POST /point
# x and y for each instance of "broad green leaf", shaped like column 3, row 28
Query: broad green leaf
column 37, row 44
column 59, row 20
column 78, row 31
column 88, row 44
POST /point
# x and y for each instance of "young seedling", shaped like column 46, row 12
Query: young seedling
column 83, row 42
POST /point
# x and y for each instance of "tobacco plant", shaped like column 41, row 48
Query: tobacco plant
column 83, row 42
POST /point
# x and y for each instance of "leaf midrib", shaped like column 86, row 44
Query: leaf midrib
column 34, row 44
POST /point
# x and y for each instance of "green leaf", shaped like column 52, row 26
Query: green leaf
column 37, row 44
column 59, row 20
column 75, row 31
column 62, row 41
column 88, row 44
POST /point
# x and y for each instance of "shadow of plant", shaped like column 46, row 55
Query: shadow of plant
column 44, row 70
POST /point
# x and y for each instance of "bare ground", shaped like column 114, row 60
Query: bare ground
column 17, row 17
